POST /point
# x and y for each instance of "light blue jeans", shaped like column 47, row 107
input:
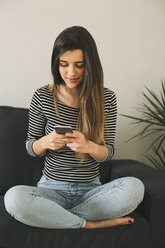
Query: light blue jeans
column 58, row 204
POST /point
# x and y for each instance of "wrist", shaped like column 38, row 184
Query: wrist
column 92, row 148
column 39, row 146
column 98, row 152
column 43, row 142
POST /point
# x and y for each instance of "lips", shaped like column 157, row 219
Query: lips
column 72, row 79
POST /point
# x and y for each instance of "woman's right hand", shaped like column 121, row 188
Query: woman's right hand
column 54, row 141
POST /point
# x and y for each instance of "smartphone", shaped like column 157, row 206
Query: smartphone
column 63, row 129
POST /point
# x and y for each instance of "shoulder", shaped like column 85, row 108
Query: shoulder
column 42, row 92
column 109, row 96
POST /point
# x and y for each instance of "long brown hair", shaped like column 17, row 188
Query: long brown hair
column 91, row 115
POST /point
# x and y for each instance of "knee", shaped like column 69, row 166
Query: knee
column 136, row 188
column 13, row 199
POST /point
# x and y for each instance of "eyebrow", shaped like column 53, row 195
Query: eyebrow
column 61, row 60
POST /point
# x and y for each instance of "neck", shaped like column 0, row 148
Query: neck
column 64, row 90
column 69, row 96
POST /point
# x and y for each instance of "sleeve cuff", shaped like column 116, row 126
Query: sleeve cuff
column 110, row 153
column 29, row 148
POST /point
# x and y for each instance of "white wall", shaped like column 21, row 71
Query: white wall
column 130, row 35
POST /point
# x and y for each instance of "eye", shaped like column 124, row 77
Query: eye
column 80, row 65
column 63, row 65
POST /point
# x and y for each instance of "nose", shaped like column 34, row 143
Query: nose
column 71, row 71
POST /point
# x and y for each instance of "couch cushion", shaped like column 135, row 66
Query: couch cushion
column 23, row 236
column 16, row 166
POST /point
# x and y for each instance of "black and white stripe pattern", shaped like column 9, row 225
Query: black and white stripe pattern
column 63, row 164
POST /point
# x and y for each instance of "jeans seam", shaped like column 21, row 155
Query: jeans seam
column 82, row 222
column 130, row 209
column 90, row 198
column 43, row 195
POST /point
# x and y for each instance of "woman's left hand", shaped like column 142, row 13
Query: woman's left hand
column 77, row 142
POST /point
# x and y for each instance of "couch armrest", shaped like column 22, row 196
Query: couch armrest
column 153, row 205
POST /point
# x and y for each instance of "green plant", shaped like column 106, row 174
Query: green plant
column 152, row 122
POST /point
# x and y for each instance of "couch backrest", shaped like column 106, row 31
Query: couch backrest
column 16, row 166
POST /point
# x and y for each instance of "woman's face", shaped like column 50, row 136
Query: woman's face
column 71, row 67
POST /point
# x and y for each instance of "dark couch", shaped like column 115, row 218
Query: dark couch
column 16, row 167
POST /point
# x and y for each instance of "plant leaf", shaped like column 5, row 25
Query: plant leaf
column 159, row 156
column 163, row 86
column 154, row 95
column 139, row 120
column 152, row 103
column 153, row 114
column 158, row 164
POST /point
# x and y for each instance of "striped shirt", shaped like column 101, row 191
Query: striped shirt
column 63, row 164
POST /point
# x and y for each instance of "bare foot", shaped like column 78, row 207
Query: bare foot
column 109, row 223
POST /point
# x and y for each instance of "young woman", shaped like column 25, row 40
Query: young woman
column 69, row 194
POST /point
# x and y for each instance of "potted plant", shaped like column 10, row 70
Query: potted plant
column 152, row 123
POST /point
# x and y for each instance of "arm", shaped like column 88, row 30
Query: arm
column 37, row 142
column 98, row 152
column 39, row 147
column 106, row 151
column 110, row 124
column 103, row 152
column 36, row 127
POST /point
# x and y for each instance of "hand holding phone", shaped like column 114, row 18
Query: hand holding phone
column 63, row 129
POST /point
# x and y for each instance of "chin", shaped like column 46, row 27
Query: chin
column 72, row 86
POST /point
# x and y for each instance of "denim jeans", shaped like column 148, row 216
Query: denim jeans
column 58, row 204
